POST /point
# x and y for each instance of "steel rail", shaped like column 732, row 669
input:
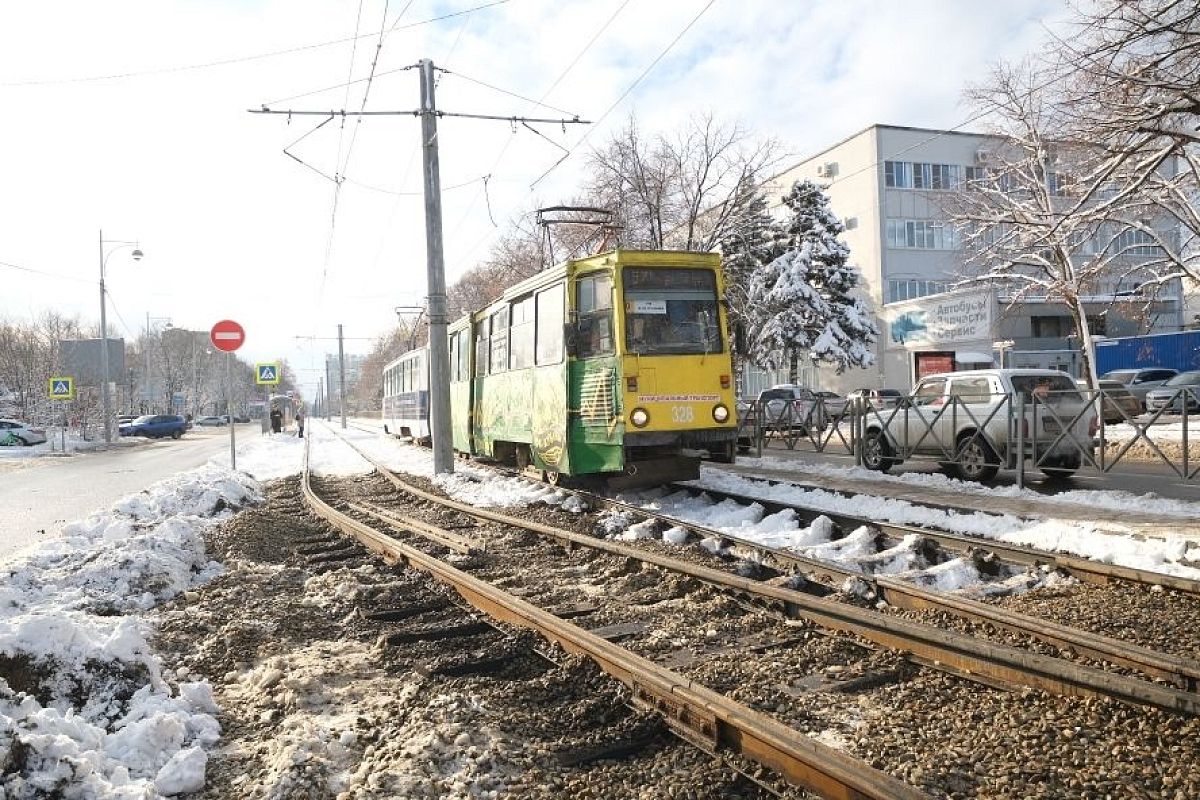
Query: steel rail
column 695, row 712
column 1078, row 567
column 1074, row 565
column 981, row 660
column 1182, row 672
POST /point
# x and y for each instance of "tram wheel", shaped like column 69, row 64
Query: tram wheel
column 552, row 477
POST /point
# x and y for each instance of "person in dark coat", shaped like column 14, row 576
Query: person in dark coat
column 300, row 424
column 276, row 420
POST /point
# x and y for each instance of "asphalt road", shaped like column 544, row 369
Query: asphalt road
column 42, row 494
column 1130, row 476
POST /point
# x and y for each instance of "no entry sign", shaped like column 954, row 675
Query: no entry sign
column 227, row 335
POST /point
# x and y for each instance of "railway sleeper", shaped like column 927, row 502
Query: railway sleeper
column 860, row 683
column 621, row 745
column 335, row 556
column 407, row 612
column 437, row 634
column 476, row 665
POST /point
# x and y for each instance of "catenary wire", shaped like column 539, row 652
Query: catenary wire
column 238, row 59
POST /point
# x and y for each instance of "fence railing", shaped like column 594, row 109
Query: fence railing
column 975, row 436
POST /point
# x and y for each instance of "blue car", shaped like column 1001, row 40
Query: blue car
column 156, row 426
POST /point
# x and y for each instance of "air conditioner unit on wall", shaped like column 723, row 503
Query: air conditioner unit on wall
column 827, row 170
column 982, row 156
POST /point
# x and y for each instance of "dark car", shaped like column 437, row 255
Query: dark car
column 156, row 426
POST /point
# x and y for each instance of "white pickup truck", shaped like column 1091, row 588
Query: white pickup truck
column 973, row 420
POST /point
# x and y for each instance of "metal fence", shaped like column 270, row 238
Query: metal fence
column 976, row 436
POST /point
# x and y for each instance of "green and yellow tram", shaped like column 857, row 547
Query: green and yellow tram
column 614, row 366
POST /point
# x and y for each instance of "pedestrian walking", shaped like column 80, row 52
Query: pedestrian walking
column 276, row 420
column 300, row 424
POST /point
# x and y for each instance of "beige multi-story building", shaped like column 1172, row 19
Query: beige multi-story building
column 885, row 183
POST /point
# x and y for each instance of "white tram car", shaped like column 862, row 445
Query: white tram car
column 406, row 396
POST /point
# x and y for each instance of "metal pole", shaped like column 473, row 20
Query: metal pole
column 229, row 411
column 341, row 378
column 328, row 391
column 105, row 401
column 320, row 410
column 439, row 352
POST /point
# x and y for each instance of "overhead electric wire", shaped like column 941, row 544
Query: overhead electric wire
column 508, row 142
column 487, row 85
column 240, row 59
column 43, row 272
column 627, row 92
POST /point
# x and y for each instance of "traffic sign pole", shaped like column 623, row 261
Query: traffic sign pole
column 228, row 335
column 229, row 411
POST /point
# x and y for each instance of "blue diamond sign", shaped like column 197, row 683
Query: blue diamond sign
column 62, row 388
column 266, row 374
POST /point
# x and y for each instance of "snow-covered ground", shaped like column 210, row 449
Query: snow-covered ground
column 71, row 622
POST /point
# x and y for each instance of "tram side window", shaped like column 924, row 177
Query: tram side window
column 550, row 325
column 462, row 361
column 594, row 300
column 521, row 343
column 481, row 349
column 499, row 326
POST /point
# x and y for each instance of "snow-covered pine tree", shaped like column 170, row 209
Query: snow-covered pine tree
column 752, row 239
column 800, row 302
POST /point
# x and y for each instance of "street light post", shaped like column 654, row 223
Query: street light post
column 105, row 399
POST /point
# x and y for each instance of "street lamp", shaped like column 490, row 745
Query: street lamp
column 105, row 400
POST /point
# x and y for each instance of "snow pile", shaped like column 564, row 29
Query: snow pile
column 85, row 710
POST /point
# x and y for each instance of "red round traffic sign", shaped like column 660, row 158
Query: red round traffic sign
column 227, row 335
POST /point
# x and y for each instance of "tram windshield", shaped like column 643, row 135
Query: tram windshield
column 671, row 311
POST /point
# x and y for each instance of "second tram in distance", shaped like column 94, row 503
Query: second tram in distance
column 616, row 366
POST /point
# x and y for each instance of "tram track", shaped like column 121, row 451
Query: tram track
column 700, row 715
column 800, row 695
column 961, row 654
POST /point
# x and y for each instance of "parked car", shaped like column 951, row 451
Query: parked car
column 209, row 422
column 967, row 416
column 877, row 398
column 1140, row 382
column 125, row 419
column 14, row 431
column 1117, row 399
column 156, row 426
column 791, row 405
column 835, row 405
column 1183, row 388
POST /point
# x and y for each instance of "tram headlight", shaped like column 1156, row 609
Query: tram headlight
column 639, row 417
column 720, row 412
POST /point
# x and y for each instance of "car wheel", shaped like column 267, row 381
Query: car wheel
column 176, row 434
column 975, row 460
column 1057, row 474
column 876, row 452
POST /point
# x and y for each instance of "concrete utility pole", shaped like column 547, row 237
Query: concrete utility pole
column 328, row 392
column 318, row 412
column 439, row 349
column 342, row 377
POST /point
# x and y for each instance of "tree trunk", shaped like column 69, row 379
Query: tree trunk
column 793, row 366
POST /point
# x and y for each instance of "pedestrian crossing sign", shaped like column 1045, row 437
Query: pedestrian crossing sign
column 62, row 388
column 266, row 374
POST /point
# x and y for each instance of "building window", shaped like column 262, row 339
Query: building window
column 920, row 234
column 910, row 289
column 898, row 174
column 1134, row 242
column 917, row 175
column 1057, row 327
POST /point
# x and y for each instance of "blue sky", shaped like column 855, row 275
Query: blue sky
column 233, row 228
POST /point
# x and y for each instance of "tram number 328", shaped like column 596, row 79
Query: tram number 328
column 682, row 414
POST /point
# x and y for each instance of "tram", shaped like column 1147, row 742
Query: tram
column 616, row 366
column 406, row 396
